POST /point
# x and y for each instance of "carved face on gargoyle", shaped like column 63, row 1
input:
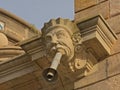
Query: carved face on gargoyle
column 58, row 37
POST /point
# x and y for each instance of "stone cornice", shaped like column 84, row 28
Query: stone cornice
column 97, row 36
column 9, row 51
column 34, row 47
column 97, row 40
column 18, row 19
column 16, row 67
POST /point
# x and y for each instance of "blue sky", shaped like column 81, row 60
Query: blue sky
column 38, row 12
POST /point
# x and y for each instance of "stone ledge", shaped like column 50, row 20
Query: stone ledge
column 16, row 67
column 97, row 36
column 34, row 47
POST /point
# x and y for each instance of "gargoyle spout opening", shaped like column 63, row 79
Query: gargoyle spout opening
column 51, row 74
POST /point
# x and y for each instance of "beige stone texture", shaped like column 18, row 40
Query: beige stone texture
column 116, row 47
column 3, row 40
column 100, row 74
column 99, row 36
column 114, row 7
column 24, row 70
column 114, row 22
column 82, row 4
column 85, row 4
column 102, row 1
column 16, row 28
column 110, row 69
column 112, row 83
column 113, row 64
column 102, row 8
column 110, row 11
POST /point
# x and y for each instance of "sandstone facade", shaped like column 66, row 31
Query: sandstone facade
column 107, row 76
column 23, row 55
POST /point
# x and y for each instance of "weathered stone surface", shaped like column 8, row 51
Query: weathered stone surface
column 102, row 0
column 96, row 76
column 114, row 22
column 99, row 36
column 30, row 85
column 23, row 79
column 102, row 8
column 112, row 83
column 6, row 86
column 3, row 40
column 114, row 7
column 82, row 4
column 102, row 79
column 113, row 65
column 26, row 82
column 15, row 27
column 116, row 46
column 96, row 86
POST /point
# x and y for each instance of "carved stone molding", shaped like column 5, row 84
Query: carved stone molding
column 92, row 41
column 97, row 36
column 3, row 39
column 34, row 47
column 8, row 52
column 16, row 67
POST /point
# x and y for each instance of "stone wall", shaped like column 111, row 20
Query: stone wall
column 107, row 77
column 15, row 28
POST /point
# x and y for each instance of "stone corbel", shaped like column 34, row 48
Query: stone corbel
column 89, row 42
column 97, row 41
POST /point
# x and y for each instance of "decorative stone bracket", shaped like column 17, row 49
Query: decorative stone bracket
column 92, row 43
column 97, row 36
column 98, row 39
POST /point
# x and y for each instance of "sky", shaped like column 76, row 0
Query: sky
column 38, row 12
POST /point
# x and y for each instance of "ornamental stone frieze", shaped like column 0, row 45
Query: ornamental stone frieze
column 70, row 48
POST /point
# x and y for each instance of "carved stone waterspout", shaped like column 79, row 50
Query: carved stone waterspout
column 61, row 35
column 81, row 46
